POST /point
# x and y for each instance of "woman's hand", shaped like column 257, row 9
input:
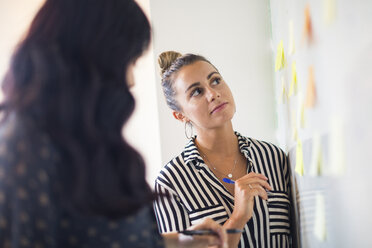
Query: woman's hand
column 246, row 188
column 198, row 241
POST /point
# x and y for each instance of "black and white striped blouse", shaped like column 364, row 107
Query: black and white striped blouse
column 196, row 193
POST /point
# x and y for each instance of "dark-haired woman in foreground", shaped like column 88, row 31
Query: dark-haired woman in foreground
column 239, row 182
column 67, row 176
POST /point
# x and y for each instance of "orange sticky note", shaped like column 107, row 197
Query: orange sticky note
column 308, row 29
column 311, row 91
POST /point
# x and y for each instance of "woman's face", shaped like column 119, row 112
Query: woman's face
column 204, row 97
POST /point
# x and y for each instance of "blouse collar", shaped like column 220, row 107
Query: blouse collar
column 192, row 154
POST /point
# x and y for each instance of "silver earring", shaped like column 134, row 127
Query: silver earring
column 188, row 125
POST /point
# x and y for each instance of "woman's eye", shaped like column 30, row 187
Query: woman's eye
column 216, row 81
column 195, row 92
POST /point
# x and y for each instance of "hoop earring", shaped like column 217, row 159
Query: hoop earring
column 188, row 124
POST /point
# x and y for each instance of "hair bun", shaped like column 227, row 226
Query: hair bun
column 166, row 59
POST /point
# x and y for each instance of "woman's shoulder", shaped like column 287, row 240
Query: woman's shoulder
column 175, row 164
column 188, row 155
column 179, row 165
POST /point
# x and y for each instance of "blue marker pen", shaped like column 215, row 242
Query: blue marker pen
column 228, row 180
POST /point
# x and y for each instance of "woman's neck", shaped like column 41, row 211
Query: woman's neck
column 221, row 141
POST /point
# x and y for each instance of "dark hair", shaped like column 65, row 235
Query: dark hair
column 170, row 63
column 69, row 74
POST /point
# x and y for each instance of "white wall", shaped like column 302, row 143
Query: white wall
column 235, row 37
column 15, row 17
column 336, row 135
column 142, row 130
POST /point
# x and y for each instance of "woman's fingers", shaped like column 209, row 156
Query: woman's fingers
column 246, row 188
column 261, row 183
column 254, row 184
column 259, row 190
column 253, row 180
column 253, row 175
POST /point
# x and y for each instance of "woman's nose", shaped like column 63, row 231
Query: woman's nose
column 212, row 94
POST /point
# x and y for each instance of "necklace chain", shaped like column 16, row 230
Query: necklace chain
column 230, row 175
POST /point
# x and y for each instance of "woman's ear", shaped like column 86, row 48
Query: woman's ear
column 179, row 116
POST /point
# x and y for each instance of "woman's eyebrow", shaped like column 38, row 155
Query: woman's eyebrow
column 191, row 86
column 198, row 83
column 211, row 74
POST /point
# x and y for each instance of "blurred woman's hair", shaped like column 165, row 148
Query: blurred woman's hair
column 69, row 75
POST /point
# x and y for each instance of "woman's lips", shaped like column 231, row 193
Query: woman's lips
column 219, row 107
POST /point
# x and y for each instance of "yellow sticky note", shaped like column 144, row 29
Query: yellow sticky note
column 311, row 91
column 316, row 164
column 299, row 158
column 295, row 133
column 280, row 58
column 293, row 87
column 291, row 47
column 302, row 115
column 320, row 228
column 283, row 96
column 329, row 10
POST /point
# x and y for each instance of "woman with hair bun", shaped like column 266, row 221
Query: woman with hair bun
column 68, row 178
column 240, row 182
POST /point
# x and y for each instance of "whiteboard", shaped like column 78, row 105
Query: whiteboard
column 333, row 205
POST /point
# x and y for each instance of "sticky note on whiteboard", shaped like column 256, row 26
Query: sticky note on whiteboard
column 293, row 87
column 320, row 227
column 308, row 29
column 283, row 94
column 316, row 164
column 280, row 61
column 311, row 91
column 329, row 10
column 299, row 158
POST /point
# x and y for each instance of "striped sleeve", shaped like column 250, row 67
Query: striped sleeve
column 171, row 215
